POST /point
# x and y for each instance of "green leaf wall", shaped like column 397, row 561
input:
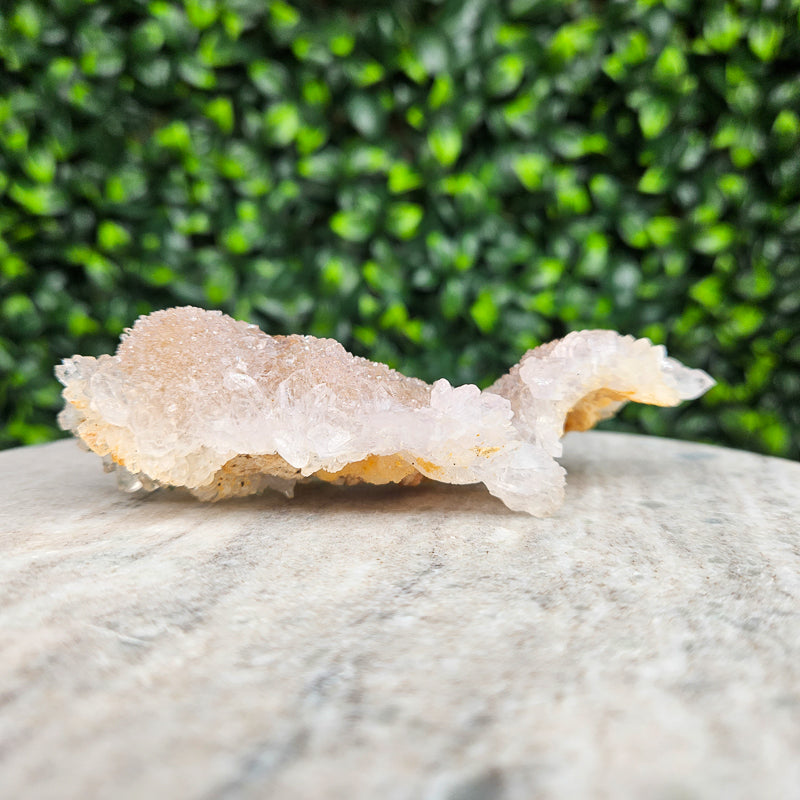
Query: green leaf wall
column 439, row 185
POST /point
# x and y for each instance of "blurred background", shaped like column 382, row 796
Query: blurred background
column 439, row 184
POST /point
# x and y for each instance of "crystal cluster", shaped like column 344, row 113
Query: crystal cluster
column 193, row 398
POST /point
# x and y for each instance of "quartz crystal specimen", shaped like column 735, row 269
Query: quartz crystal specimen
column 195, row 399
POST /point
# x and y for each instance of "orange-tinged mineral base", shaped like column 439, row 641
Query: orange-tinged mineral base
column 374, row 469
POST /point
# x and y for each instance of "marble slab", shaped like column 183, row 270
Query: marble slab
column 399, row 643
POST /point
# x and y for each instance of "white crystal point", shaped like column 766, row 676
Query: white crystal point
column 574, row 382
column 688, row 383
column 193, row 398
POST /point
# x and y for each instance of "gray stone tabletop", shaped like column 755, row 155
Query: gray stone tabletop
column 399, row 643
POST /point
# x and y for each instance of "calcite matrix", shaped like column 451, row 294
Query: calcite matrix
column 195, row 399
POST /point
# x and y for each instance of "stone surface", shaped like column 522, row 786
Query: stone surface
column 196, row 399
column 405, row 642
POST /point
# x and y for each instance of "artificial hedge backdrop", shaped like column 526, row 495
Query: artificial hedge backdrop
column 439, row 185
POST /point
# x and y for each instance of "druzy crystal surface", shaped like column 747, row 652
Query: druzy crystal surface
column 196, row 399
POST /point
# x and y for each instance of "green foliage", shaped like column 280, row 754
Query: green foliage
column 438, row 184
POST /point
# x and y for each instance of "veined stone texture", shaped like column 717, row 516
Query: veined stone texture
column 196, row 399
column 416, row 644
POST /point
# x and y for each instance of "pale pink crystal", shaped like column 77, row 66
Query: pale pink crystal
column 193, row 398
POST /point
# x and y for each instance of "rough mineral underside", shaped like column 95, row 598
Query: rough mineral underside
column 193, row 398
